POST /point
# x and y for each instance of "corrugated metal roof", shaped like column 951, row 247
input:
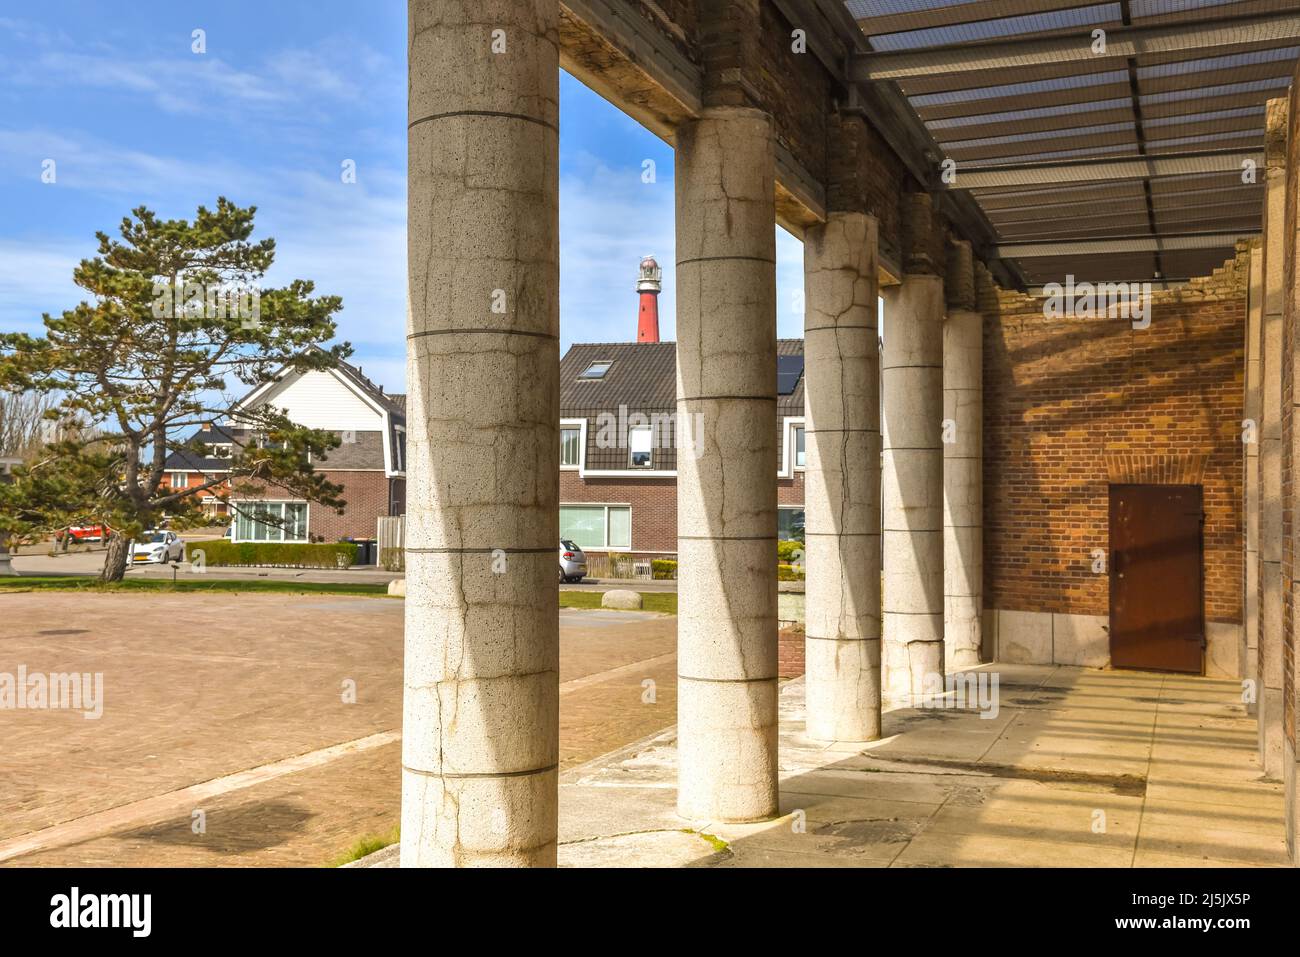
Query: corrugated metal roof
column 981, row 76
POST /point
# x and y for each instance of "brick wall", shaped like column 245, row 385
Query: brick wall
column 1070, row 406
column 790, row 652
column 1290, row 309
column 654, row 504
column 367, row 497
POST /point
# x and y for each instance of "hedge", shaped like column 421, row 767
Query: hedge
column 789, row 573
column 663, row 569
column 788, row 551
column 284, row 554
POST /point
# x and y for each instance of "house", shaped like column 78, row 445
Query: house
column 620, row 441
column 369, row 463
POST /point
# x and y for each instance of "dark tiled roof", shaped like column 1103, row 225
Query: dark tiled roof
column 642, row 378
column 183, row 459
column 391, row 403
column 357, row 450
column 642, row 375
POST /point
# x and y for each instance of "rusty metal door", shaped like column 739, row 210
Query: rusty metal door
column 1157, row 609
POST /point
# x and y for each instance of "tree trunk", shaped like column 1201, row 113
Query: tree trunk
column 114, row 559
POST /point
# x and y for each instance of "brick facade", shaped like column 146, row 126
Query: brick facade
column 1071, row 406
column 367, row 495
column 790, row 652
column 1290, row 311
column 654, row 505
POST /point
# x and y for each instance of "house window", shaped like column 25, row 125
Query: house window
column 271, row 522
column 799, row 454
column 180, row 480
column 570, row 447
column 639, row 442
column 597, row 526
column 789, row 524
column 400, row 449
column 596, row 370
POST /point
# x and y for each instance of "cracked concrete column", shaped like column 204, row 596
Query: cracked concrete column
column 480, row 724
column 726, row 495
column 842, row 479
column 912, row 486
column 1271, row 703
column 963, row 466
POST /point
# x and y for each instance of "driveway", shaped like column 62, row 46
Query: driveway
column 228, row 734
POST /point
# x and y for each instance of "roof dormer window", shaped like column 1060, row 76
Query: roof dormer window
column 596, row 370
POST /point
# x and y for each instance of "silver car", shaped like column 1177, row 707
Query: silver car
column 573, row 563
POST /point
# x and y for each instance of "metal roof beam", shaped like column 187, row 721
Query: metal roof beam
column 1012, row 53
column 1165, row 164
column 1138, row 244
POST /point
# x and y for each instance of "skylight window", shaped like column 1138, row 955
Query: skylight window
column 596, row 370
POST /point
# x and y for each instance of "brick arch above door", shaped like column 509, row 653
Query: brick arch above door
column 1135, row 468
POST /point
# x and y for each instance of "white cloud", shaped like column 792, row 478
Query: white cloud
column 37, row 278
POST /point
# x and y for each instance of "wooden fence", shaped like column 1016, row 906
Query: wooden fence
column 391, row 539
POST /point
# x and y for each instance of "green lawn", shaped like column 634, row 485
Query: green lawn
column 660, row 601
column 189, row 583
column 663, row 602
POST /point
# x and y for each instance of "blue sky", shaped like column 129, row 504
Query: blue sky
column 285, row 92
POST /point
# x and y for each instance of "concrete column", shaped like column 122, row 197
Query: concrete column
column 726, row 495
column 480, row 725
column 1250, row 510
column 912, row 486
column 1271, row 704
column 963, row 464
column 842, row 479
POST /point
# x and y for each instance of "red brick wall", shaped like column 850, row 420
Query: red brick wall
column 1290, row 309
column 1069, row 404
column 790, row 652
column 366, row 494
column 654, row 504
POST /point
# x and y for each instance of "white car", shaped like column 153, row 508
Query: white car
column 158, row 546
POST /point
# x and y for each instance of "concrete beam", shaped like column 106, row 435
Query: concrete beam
column 635, row 65
column 1010, row 53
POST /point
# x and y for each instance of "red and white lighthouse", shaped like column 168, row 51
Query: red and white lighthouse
column 648, row 285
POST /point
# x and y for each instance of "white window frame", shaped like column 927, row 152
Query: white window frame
column 650, row 431
column 399, row 450
column 788, row 468
column 793, row 508
column 607, row 547
column 580, row 426
column 245, row 508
